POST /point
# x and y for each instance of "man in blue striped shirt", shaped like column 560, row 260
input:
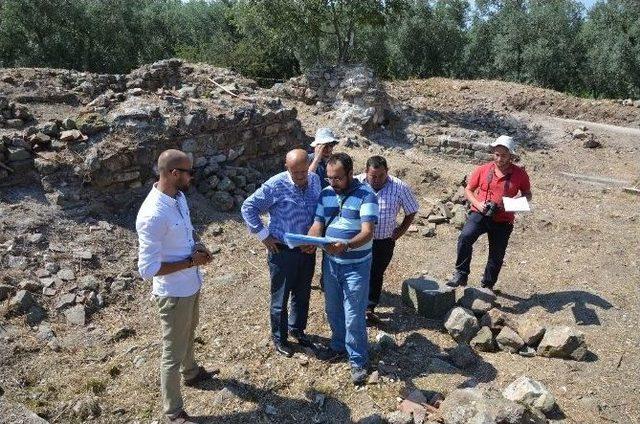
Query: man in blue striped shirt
column 347, row 212
column 290, row 198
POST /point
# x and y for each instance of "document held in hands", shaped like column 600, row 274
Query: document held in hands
column 518, row 204
column 295, row 240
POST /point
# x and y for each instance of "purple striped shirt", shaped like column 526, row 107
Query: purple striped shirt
column 395, row 194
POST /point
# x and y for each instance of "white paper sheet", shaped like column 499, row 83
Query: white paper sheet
column 519, row 204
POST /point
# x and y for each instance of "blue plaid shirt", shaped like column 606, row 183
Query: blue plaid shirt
column 291, row 208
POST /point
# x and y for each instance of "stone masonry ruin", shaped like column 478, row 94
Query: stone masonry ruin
column 116, row 125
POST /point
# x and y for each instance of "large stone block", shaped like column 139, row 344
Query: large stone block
column 478, row 300
column 429, row 298
column 563, row 342
column 461, row 324
column 531, row 393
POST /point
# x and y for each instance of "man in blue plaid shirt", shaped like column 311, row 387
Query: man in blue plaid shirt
column 290, row 199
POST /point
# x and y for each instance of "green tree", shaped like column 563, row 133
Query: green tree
column 428, row 39
column 611, row 35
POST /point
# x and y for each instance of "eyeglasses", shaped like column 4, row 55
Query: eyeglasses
column 188, row 171
column 329, row 179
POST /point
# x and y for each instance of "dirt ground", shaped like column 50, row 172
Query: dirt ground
column 573, row 261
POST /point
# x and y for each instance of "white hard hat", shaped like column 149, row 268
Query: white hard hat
column 505, row 141
column 324, row 136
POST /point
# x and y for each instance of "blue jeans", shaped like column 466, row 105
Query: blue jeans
column 291, row 274
column 346, row 291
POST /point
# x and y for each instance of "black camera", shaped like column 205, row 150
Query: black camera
column 490, row 208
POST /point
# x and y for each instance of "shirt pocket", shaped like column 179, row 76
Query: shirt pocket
column 177, row 233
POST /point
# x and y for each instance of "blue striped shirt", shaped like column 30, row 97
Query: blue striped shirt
column 358, row 205
column 291, row 208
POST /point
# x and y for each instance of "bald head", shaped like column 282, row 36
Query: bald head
column 171, row 159
column 297, row 163
column 296, row 157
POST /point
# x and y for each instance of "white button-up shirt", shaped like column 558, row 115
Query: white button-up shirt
column 165, row 234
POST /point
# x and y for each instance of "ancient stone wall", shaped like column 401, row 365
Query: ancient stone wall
column 461, row 148
column 234, row 134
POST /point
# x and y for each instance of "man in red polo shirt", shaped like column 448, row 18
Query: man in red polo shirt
column 487, row 186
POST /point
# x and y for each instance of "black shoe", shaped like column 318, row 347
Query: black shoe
column 358, row 376
column 302, row 339
column 372, row 317
column 330, row 355
column 457, row 280
column 284, row 349
column 486, row 285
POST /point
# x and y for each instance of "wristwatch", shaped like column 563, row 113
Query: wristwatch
column 348, row 247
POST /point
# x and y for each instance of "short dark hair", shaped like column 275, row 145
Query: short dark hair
column 344, row 159
column 377, row 162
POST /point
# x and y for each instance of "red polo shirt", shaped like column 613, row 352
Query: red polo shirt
column 515, row 180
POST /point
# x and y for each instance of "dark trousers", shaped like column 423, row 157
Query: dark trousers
column 381, row 252
column 291, row 274
column 498, row 234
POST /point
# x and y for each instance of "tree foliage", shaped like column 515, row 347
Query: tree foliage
column 551, row 43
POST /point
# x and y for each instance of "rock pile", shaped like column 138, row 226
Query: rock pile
column 525, row 401
column 477, row 405
column 452, row 210
column 12, row 114
column 351, row 91
column 46, row 279
column 587, row 137
column 630, row 102
column 477, row 322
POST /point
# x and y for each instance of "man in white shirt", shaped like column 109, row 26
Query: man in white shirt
column 168, row 253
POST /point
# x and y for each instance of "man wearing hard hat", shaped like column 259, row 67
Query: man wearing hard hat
column 487, row 186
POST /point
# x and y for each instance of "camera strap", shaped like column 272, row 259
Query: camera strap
column 507, row 180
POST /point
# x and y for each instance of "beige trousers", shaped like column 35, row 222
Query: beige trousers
column 179, row 318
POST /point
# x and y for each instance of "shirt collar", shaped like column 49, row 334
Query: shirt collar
column 290, row 180
column 355, row 183
column 364, row 180
column 166, row 199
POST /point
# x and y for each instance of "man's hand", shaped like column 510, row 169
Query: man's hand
column 318, row 151
column 200, row 247
column 336, row 248
column 200, row 258
column 308, row 249
column 480, row 206
column 271, row 243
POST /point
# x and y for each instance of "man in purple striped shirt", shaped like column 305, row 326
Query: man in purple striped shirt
column 392, row 194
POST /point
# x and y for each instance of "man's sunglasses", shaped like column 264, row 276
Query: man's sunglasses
column 188, row 171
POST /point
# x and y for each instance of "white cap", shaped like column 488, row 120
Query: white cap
column 324, row 136
column 505, row 141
